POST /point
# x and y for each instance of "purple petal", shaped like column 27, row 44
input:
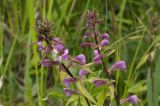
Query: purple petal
column 40, row 46
column 104, row 42
column 65, row 54
column 59, row 47
column 97, row 57
column 68, row 81
column 48, row 63
column 39, row 43
column 99, row 82
column 57, row 39
column 96, row 52
column 132, row 99
column 119, row 65
column 81, row 59
column 69, row 92
column 82, row 72
column 105, row 36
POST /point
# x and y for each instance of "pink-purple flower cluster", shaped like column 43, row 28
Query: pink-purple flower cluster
column 60, row 55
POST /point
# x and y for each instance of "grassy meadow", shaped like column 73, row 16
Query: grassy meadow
column 134, row 29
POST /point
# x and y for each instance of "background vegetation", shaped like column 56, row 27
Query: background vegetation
column 133, row 26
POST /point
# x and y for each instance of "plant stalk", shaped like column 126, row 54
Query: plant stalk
column 105, row 68
column 71, row 75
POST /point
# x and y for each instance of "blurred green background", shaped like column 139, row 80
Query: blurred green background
column 133, row 26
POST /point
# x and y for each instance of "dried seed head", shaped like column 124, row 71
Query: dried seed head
column 44, row 27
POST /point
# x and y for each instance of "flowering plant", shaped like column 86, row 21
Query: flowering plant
column 54, row 52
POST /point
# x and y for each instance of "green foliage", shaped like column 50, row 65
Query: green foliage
column 134, row 30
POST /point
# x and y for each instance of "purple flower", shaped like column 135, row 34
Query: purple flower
column 40, row 45
column 104, row 42
column 96, row 52
column 59, row 47
column 48, row 63
column 99, row 82
column 105, row 36
column 57, row 39
column 65, row 54
column 68, row 81
column 68, row 92
column 81, row 59
column 119, row 65
column 60, row 52
column 132, row 99
column 82, row 72
column 97, row 57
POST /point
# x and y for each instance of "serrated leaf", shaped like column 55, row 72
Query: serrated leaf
column 83, row 90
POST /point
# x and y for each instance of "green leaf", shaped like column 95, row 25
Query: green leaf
column 112, row 89
column 101, row 98
column 139, row 87
column 156, row 83
column 72, row 99
column 83, row 90
column 149, row 90
column 83, row 101
column 142, row 61
column 153, row 85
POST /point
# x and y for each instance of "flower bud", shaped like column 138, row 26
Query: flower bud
column 68, row 81
column 104, row 42
column 82, row 72
column 132, row 99
column 99, row 82
column 69, row 92
column 105, row 36
column 118, row 65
